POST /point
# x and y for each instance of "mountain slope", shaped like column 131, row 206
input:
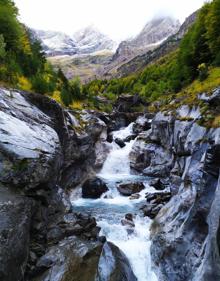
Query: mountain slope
column 154, row 32
column 138, row 62
column 152, row 35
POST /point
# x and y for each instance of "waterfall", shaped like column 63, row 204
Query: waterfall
column 111, row 208
column 118, row 162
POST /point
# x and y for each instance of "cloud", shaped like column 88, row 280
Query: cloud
column 117, row 18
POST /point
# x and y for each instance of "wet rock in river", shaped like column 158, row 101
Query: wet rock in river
column 129, row 217
column 94, row 188
column 129, row 138
column 135, row 196
column 114, row 265
column 72, row 259
column 158, row 198
column 128, row 221
column 120, row 142
column 77, row 260
column 127, row 189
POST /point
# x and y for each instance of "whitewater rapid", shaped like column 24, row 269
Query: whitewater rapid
column 111, row 208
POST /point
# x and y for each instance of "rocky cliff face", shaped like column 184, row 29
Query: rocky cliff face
column 184, row 157
column 152, row 35
column 43, row 152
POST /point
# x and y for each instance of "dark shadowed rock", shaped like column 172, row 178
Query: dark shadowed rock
column 155, row 202
column 151, row 210
column 128, row 189
column 42, row 154
column 128, row 221
column 129, row 138
column 158, row 198
column 94, row 188
column 15, row 220
column 158, row 184
column 120, row 142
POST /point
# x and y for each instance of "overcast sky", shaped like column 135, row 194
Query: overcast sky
column 117, row 18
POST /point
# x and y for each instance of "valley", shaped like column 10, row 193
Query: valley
column 110, row 151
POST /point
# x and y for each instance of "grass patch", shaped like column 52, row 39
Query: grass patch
column 216, row 122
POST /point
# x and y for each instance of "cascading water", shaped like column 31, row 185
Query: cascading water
column 117, row 162
column 112, row 207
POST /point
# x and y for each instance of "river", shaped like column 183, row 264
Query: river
column 112, row 207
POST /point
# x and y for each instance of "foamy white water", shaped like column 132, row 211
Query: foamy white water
column 111, row 208
column 117, row 162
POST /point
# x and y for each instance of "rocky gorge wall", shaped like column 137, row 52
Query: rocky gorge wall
column 45, row 151
column 185, row 158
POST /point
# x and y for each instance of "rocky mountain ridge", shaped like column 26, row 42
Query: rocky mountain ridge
column 122, row 66
column 153, row 34
column 90, row 42
column 86, row 41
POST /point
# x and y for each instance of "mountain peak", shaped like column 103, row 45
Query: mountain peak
column 152, row 35
column 90, row 39
column 157, row 30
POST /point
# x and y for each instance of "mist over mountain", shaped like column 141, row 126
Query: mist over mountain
column 92, row 53
column 152, row 35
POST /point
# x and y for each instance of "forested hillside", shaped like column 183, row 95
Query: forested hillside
column 198, row 57
column 23, row 65
column 22, row 62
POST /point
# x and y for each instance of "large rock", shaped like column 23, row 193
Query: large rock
column 71, row 260
column 127, row 189
column 155, row 202
column 120, row 142
column 29, row 147
column 113, row 265
column 150, row 158
column 127, row 103
column 76, row 260
column 39, row 143
column 94, row 188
